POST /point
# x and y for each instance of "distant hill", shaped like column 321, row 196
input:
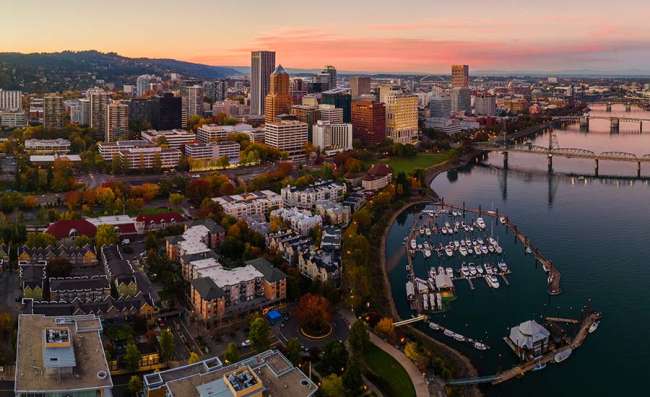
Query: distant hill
column 70, row 70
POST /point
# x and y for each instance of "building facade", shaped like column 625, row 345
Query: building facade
column 330, row 137
column 278, row 100
column 402, row 118
column 359, row 85
column 288, row 136
column 368, row 121
column 262, row 65
column 460, row 76
column 53, row 112
column 117, row 121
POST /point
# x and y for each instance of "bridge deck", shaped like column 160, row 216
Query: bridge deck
column 566, row 152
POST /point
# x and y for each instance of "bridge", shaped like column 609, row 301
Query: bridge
column 628, row 102
column 615, row 122
column 410, row 321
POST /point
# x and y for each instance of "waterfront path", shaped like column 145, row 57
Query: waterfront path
column 419, row 383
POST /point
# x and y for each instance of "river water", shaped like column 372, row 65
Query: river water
column 596, row 231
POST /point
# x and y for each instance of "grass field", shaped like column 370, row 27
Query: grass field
column 421, row 160
column 388, row 374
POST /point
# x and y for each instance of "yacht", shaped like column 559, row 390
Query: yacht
column 480, row 223
column 427, row 253
column 472, row 270
column 593, row 327
column 480, row 241
column 502, row 266
column 432, row 272
column 463, row 251
column 447, row 225
column 414, row 245
column 479, row 269
column 449, row 271
column 498, row 249
column 459, row 337
column 470, row 251
column 464, row 270
column 427, row 231
column 488, row 269
column 490, row 248
column 528, row 250
column 562, row 355
column 502, row 220
column 434, row 326
column 491, row 241
column 421, row 229
column 484, row 249
column 443, row 230
column 449, row 333
column 480, row 346
column 419, row 246
column 492, row 281
column 441, row 270
column 456, row 244
column 449, row 251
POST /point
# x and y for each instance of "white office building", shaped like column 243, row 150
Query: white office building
column 11, row 100
column 288, row 136
column 176, row 139
column 332, row 137
column 255, row 204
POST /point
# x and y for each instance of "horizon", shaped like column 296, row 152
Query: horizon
column 499, row 37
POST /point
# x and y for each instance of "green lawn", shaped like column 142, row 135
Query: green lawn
column 387, row 374
column 421, row 160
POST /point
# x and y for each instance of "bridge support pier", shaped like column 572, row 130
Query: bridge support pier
column 550, row 163
column 628, row 107
column 641, row 126
column 584, row 123
column 608, row 108
column 505, row 160
column 638, row 169
column 596, row 169
column 614, row 125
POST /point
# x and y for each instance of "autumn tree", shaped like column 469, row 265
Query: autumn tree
column 332, row 386
column 415, row 353
column 314, row 314
column 231, row 354
column 175, row 199
column 259, row 334
column 194, row 358
column 72, row 199
column 40, row 240
column 106, row 235
column 385, row 326
column 166, row 345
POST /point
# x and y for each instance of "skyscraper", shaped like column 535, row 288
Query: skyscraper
column 277, row 101
column 98, row 103
column 485, row 105
column 287, row 136
column 341, row 98
column 459, row 76
column 11, row 100
column 368, row 120
column 402, row 118
column 330, row 71
column 461, row 100
column 117, row 121
column 143, row 84
column 166, row 112
column 440, row 106
column 262, row 65
column 359, row 85
column 192, row 103
column 53, row 112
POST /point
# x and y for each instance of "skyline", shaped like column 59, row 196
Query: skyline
column 412, row 36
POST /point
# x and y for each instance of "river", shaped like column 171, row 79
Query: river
column 596, row 231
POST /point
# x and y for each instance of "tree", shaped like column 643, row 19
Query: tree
column 166, row 345
column 413, row 351
column 293, row 350
column 314, row 314
column 385, row 326
column 332, row 386
column 40, row 240
column 259, row 334
column 106, row 235
column 335, row 356
column 194, row 358
column 359, row 339
column 135, row 385
column 231, row 355
column 223, row 162
column 175, row 199
column 352, row 380
column 157, row 163
column 132, row 356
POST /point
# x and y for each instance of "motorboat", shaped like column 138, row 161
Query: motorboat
column 421, row 229
column 480, row 241
column 427, row 253
column 480, row 346
column 484, row 249
column 459, row 337
column 449, row 251
column 539, row 366
column 456, row 244
column 432, row 272
column 479, row 269
column 480, row 223
column 562, row 355
column 492, row 281
column 441, row 270
column 593, row 327
column 463, row 251
column 427, row 231
column 490, row 248
column 419, row 246
column 434, row 326
column 502, row 220
column 464, row 270
column 470, row 250
column 498, row 249
column 491, row 241
column 414, row 244
column 449, row 333
column 449, row 271
column 528, row 250
column 502, row 266
column 472, row 270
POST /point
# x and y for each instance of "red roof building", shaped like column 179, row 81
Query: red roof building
column 377, row 177
column 145, row 223
column 74, row 228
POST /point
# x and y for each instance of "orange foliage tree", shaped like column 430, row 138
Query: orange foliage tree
column 314, row 313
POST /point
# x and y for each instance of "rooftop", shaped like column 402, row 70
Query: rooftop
column 48, row 345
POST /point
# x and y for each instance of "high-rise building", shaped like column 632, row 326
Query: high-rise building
column 140, row 113
column 459, row 76
column 385, row 90
column 262, row 65
column 341, row 98
column 117, row 121
column 440, row 106
column 297, row 89
column 461, row 100
column 84, row 111
column 485, row 105
column 11, row 100
column 287, row 136
column 330, row 71
column 359, row 85
column 308, row 115
column 53, row 112
column 402, row 118
column 98, row 103
column 368, row 120
column 192, row 103
column 332, row 136
column 330, row 113
column 277, row 101
column 143, row 84
column 166, row 112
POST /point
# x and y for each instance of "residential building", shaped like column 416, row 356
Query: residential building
column 53, row 112
column 331, row 138
column 99, row 100
column 300, row 221
column 84, row 112
column 11, row 100
column 175, row 139
column 108, row 150
column 199, row 238
column 191, row 102
column 359, row 85
column 143, row 84
column 218, row 293
column 288, row 136
column 402, row 118
column 306, row 197
column 253, row 204
column 85, row 289
column 377, row 177
column 214, row 151
column 138, row 158
column 11, row 119
column 166, row 112
column 340, row 98
column 47, row 146
column 262, row 65
column 213, row 132
column 288, row 244
column 332, row 212
column 277, row 101
column 386, row 90
column 440, row 106
column 330, row 113
column 297, row 89
column 459, row 76
column 461, row 100
column 149, row 223
column 61, row 355
column 310, row 100
column 267, row 373
column 485, row 105
column 82, row 256
column 47, row 160
column 36, row 110
column 320, row 265
column 368, row 121
column 308, row 115
column 119, row 271
column 117, row 121
column 330, row 71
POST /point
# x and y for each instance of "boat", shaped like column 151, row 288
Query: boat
column 492, row 281
column 480, row 223
column 419, row 246
column 434, row 326
column 498, row 249
column 425, row 302
column 562, row 355
column 470, row 251
column 449, row 333
column 410, row 290
column 480, row 241
column 490, row 248
column 539, row 366
column 459, row 337
column 432, row 272
column 479, row 269
column 456, row 244
column 593, row 327
column 502, row 266
column 447, row 225
column 449, row 251
column 421, row 230
column 414, row 244
column 427, row 253
column 528, row 250
column 472, row 270
column 480, row 346
column 484, row 249
column 502, row 220
column 449, row 271
column 441, row 270
column 491, row 241
column 463, row 251
column 464, row 270
column 427, row 231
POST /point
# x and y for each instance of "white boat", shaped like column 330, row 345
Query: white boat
column 502, row 220
column 464, row 270
column 449, row 333
column 447, row 225
column 449, row 271
column 410, row 290
column 425, row 302
column 593, row 327
column 502, row 266
column 480, row 241
column 427, row 231
column 432, row 273
column 498, row 249
column 539, row 366
column 472, row 271
column 491, row 241
column 484, row 249
column 562, row 355
column 419, row 246
column 434, row 326
column 479, row 269
column 421, row 229
column 480, row 346
column 459, row 337
column 449, row 251
column 480, row 223
column 492, row 281
column 427, row 253
column 470, row 251
column 528, row 250
column 490, row 249
column 414, row 244
column 463, row 251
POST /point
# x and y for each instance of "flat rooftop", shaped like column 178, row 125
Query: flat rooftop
column 76, row 347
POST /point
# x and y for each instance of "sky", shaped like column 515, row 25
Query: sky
column 424, row 36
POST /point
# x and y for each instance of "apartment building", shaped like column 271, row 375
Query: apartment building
column 254, row 204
